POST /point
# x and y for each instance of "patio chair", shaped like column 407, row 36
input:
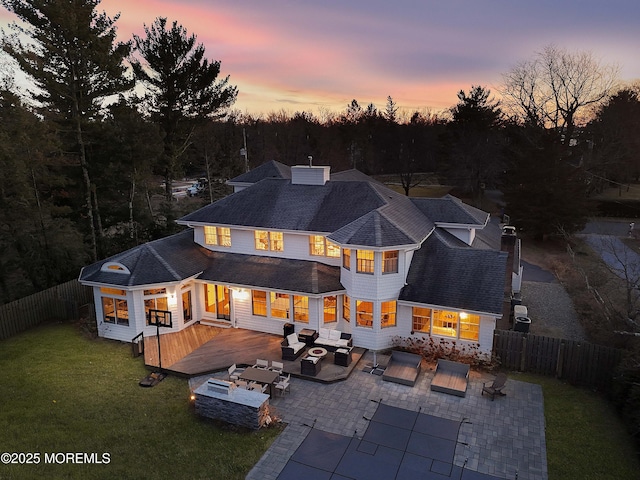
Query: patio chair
column 234, row 372
column 277, row 366
column 263, row 364
column 496, row 387
column 241, row 384
column 284, row 384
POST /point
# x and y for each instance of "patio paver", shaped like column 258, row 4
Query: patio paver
column 498, row 437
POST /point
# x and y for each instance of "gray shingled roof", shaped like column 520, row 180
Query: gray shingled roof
column 273, row 273
column 270, row 169
column 446, row 271
column 280, row 205
column 177, row 257
column 449, row 209
column 166, row 260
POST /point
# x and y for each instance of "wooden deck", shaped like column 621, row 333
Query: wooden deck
column 175, row 346
column 201, row 349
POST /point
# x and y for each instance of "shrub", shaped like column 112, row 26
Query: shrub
column 433, row 349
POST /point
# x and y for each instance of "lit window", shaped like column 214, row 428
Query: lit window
column 364, row 313
column 220, row 236
column 210, row 236
column 388, row 314
column 365, row 261
column 301, row 308
column 216, row 301
column 330, row 309
column 333, row 250
column 316, row 244
column 346, row 308
column 445, row 323
column 259, row 302
column 277, row 241
column 113, row 267
column 346, row 258
column 262, row 240
column 469, row 326
column 421, row 319
column 390, row 262
column 115, row 310
column 155, row 299
column 279, row 305
column 273, row 241
column 224, row 236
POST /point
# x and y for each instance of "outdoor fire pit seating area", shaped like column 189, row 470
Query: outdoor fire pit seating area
column 292, row 348
column 310, row 365
column 333, row 339
column 451, row 377
column 403, row 368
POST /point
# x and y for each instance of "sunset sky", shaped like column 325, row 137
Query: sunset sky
column 319, row 55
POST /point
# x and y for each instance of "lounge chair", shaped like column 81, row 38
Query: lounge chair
column 496, row 387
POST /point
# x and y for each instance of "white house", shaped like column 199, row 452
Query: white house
column 301, row 246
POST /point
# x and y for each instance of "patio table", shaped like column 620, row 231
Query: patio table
column 266, row 377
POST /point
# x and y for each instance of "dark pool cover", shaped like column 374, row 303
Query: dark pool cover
column 397, row 445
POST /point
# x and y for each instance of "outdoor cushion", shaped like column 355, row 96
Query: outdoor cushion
column 324, row 333
column 292, row 339
column 334, row 334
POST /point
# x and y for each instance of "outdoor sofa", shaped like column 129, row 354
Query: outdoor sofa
column 403, row 367
column 292, row 348
column 451, row 377
column 333, row 339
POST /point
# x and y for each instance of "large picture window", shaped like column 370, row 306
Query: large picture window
column 364, row 314
column 301, row 308
column 365, row 260
column 316, row 245
column 388, row 314
column 390, row 262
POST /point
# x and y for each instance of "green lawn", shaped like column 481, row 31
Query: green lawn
column 61, row 392
column 585, row 438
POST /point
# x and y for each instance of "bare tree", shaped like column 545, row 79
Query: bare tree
column 556, row 88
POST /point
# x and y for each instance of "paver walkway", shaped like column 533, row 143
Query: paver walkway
column 502, row 437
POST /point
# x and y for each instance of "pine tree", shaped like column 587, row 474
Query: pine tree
column 75, row 63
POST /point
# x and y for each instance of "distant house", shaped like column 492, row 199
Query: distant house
column 300, row 246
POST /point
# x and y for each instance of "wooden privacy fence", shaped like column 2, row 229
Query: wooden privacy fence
column 580, row 363
column 60, row 302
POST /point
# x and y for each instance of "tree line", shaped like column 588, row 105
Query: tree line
column 89, row 161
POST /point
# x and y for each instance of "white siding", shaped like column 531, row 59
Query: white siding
column 110, row 330
column 310, row 174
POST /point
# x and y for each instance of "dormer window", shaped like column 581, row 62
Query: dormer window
column 273, row 241
column 114, row 267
